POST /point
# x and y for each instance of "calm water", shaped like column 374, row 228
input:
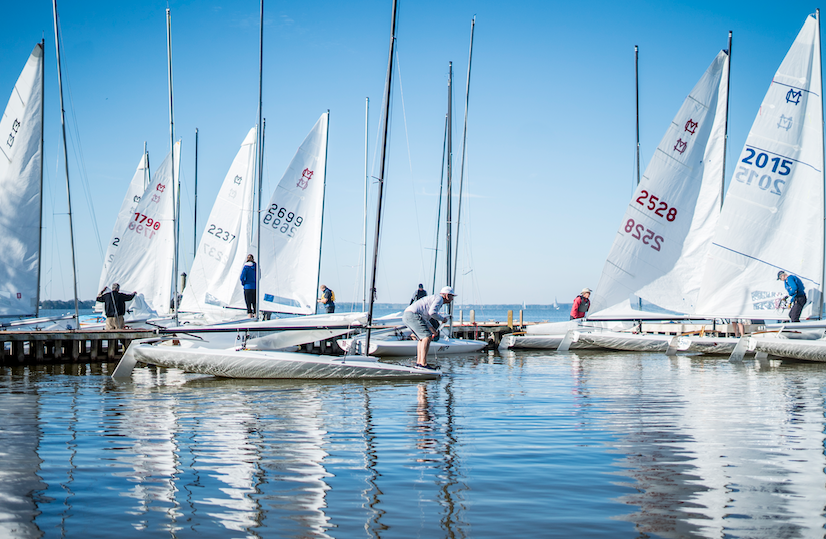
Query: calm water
column 522, row 445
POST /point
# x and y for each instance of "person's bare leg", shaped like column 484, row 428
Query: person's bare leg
column 421, row 351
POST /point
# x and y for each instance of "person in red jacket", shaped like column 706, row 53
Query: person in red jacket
column 581, row 304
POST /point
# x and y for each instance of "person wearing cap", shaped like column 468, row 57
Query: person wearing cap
column 581, row 304
column 797, row 294
column 328, row 298
column 114, row 305
column 418, row 294
column 423, row 319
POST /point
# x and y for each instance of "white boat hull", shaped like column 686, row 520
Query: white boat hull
column 407, row 348
column 628, row 342
column 538, row 342
column 268, row 364
column 791, row 348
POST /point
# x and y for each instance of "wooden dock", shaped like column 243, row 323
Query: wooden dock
column 27, row 347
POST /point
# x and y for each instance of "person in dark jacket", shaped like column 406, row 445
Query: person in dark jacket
column 114, row 302
column 797, row 293
column 581, row 304
column 418, row 294
column 248, row 278
column 328, row 299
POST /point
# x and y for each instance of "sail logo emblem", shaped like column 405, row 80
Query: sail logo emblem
column 160, row 187
column 15, row 127
column 691, row 126
column 785, row 122
column 681, row 146
column 155, row 198
column 794, row 97
column 237, row 180
column 305, row 178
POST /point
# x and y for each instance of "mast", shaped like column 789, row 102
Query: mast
column 725, row 137
column 823, row 165
column 175, row 188
column 259, row 159
column 364, row 233
column 637, row 93
column 448, row 204
column 439, row 213
column 65, row 155
column 464, row 147
column 40, row 236
column 195, row 210
column 385, row 120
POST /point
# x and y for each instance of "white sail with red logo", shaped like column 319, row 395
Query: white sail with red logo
column 213, row 283
column 21, row 180
column 127, row 213
column 144, row 260
column 658, row 253
column 290, row 230
column 773, row 216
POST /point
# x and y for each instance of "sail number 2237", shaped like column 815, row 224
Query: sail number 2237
column 282, row 220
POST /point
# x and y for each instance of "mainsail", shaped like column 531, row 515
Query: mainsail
column 290, row 230
column 213, row 282
column 21, row 180
column 126, row 214
column 144, row 260
column 773, row 215
column 663, row 239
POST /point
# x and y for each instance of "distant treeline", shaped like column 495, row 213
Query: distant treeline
column 70, row 304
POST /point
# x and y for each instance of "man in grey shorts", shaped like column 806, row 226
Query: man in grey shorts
column 423, row 318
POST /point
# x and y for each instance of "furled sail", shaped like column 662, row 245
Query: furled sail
column 658, row 253
column 144, row 259
column 21, row 180
column 126, row 214
column 213, row 282
column 291, row 230
column 773, row 215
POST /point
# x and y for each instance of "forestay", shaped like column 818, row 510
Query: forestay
column 213, row 282
column 126, row 214
column 663, row 238
column 21, row 180
column 773, row 216
column 144, row 260
column 291, row 230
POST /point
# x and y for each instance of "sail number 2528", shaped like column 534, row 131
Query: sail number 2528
column 282, row 220
column 645, row 235
column 749, row 176
column 654, row 204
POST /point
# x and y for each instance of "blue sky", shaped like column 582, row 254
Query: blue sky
column 550, row 158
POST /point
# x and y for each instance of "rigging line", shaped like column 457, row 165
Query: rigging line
column 77, row 149
column 410, row 161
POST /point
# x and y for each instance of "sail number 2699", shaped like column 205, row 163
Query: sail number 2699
column 282, row 220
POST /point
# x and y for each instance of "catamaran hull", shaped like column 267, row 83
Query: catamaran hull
column 538, row 342
column 407, row 348
column 791, row 348
column 277, row 365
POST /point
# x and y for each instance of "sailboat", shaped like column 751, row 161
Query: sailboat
column 21, row 181
column 198, row 355
column 664, row 235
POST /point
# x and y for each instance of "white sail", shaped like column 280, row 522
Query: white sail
column 21, row 179
column 291, row 230
column 127, row 213
column 773, row 215
column 663, row 239
column 144, row 261
column 213, row 281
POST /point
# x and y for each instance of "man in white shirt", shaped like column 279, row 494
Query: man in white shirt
column 423, row 318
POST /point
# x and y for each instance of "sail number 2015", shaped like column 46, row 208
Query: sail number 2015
column 781, row 167
column 282, row 220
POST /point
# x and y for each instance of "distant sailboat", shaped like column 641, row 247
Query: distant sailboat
column 21, row 181
column 556, row 304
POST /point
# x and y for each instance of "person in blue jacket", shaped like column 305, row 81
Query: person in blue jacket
column 248, row 282
column 797, row 293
